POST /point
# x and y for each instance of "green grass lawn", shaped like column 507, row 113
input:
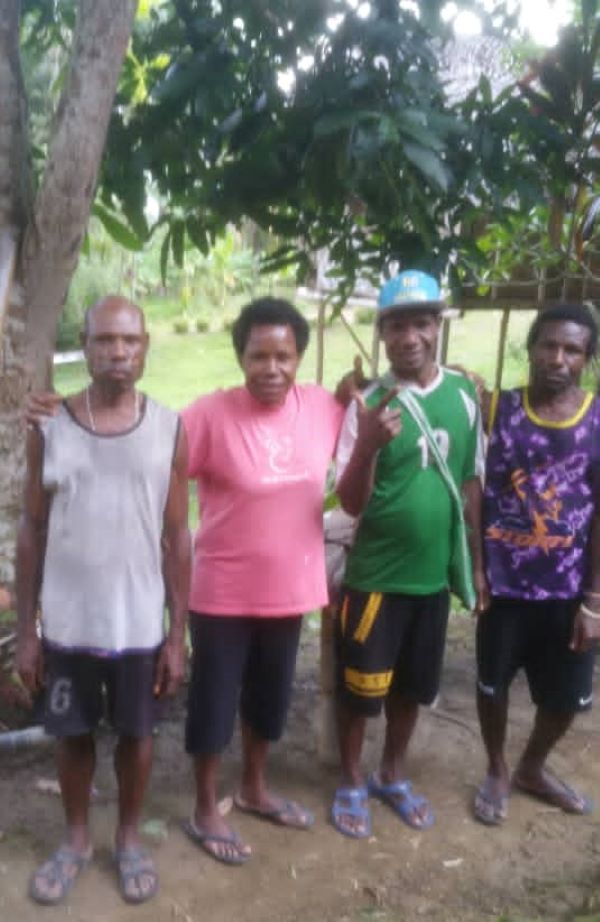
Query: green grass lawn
column 181, row 367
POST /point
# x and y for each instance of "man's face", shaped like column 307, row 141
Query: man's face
column 559, row 355
column 269, row 362
column 410, row 337
column 115, row 345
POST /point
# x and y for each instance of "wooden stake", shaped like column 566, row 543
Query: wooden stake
column 356, row 339
column 500, row 355
column 326, row 733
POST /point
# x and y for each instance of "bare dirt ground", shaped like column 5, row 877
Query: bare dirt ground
column 541, row 865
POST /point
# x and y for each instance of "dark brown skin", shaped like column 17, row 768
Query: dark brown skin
column 115, row 344
column 377, row 426
column 410, row 339
column 556, row 362
column 269, row 362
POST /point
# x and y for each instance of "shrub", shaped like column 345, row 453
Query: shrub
column 364, row 315
column 181, row 325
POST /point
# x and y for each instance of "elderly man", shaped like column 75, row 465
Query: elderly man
column 541, row 530
column 408, row 449
column 103, row 542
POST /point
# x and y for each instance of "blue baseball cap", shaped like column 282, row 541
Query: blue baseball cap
column 411, row 289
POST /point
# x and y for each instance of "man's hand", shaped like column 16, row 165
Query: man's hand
column 40, row 406
column 169, row 667
column 482, row 593
column 586, row 631
column 29, row 662
column 377, row 425
column 351, row 384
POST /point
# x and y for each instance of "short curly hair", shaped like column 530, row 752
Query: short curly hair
column 269, row 311
column 565, row 312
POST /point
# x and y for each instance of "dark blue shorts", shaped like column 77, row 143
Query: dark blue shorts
column 534, row 636
column 243, row 660
column 81, row 689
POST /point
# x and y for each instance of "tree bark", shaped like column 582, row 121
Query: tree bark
column 54, row 237
column 15, row 192
column 49, row 231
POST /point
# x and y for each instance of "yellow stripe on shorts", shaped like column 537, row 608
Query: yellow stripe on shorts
column 367, row 684
column 368, row 617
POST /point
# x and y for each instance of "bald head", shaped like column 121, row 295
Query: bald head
column 111, row 304
column 115, row 342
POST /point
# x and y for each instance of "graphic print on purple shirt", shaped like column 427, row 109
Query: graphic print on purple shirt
column 539, row 499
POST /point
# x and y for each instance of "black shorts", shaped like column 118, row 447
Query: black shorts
column 534, row 636
column 81, row 688
column 245, row 659
column 389, row 643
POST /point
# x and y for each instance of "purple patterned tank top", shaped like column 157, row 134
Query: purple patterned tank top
column 539, row 499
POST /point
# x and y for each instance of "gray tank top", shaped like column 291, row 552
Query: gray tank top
column 102, row 589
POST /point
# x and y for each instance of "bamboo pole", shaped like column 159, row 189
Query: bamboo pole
column 500, row 355
column 356, row 339
column 326, row 733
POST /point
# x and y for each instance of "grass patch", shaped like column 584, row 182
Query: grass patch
column 180, row 368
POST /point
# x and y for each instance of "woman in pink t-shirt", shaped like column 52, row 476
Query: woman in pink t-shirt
column 259, row 454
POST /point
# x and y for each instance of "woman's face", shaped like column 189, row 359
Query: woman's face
column 269, row 362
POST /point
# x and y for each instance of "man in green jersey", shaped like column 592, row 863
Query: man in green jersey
column 408, row 442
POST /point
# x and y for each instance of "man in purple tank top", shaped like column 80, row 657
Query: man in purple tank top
column 541, row 533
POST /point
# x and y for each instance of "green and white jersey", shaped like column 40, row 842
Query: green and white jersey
column 403, row 540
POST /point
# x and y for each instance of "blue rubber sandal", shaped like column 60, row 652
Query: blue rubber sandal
column 351, row 802
column 400, row 796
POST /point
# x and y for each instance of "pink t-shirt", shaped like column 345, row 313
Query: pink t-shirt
column 261, row 476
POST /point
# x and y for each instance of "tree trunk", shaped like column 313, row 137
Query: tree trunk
column 48, row 232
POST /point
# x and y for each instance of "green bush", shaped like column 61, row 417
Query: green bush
column 97, row 275
column 69, row 327
column 364, row 315
column 181, row 325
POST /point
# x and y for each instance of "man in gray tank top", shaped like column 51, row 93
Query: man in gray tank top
column 103, row 546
